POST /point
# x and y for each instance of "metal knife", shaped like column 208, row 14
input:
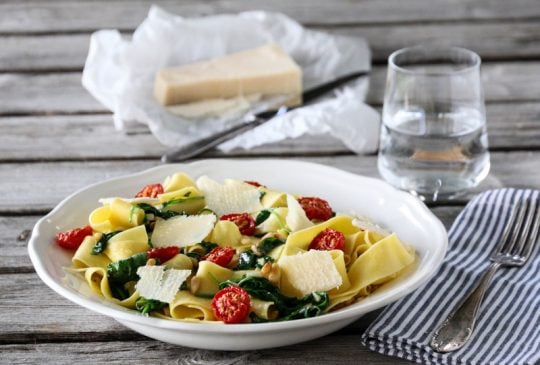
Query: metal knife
column 194, row 149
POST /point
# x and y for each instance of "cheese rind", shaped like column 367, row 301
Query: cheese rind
column 266, row 70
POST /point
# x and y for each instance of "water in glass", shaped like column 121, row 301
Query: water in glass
column 434, row 155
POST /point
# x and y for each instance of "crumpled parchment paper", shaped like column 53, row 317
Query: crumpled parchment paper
column 119, row 72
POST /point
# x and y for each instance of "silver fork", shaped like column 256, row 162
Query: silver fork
column 514, row 249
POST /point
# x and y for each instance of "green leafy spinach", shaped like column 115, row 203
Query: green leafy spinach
column 262, row 216
column 289, row 308
column 101, row 244
column 145, row 306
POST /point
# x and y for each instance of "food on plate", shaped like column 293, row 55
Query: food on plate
column 266, row 70
column 235, row 252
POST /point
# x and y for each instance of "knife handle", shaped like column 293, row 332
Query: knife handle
column 194, row 149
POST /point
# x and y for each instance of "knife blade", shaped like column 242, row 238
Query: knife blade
column 195, row 148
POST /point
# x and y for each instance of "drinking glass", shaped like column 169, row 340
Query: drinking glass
column 433, row 136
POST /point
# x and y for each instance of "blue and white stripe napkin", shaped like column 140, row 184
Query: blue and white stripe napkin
column 508, row 327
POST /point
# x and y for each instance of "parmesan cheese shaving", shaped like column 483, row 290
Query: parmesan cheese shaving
column 160, row 284
column 182, row 230
column 232, row 197
column 296, row 216
column 311, row 271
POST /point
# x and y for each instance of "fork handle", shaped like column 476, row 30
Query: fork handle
column 456, row 330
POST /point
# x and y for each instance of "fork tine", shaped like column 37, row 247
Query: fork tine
column 523, row 231
column 511, row 232
column 530, row 241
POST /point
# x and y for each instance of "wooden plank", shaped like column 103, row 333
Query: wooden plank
column 44, row 315
column 14, row 235
column 327, row 350
column 73, row 137
column 63, row 93
column 37, row 187
column 71, row 16
column 493, row 41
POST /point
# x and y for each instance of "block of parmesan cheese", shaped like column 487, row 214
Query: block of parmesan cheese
column 265, row 70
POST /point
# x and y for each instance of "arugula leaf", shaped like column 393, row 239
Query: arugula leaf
column 289, row 308
column 122, row 271
column 101, row 245
column 145, row 306
column 262, row 216
column 261, row 195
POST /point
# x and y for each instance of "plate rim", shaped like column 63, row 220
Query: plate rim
column 347, row 313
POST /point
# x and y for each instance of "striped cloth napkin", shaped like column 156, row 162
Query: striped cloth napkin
column 508, row 327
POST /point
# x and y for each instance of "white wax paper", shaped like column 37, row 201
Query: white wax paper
column 120, row 73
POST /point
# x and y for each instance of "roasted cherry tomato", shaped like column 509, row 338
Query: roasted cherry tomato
column 221, row 256
column 72, row 239
column 231, row 304
column 328, row 239
column 254, row 183
column 150, row 191
column 316, row 208
column 244, row 221
column 163, row 253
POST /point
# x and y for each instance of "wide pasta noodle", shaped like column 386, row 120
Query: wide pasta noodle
column 127, row 243
column 188, row 306
column 225, row 233
column 96, row 278
column 208, row 277
column 83, row 257
column 375, row 266
column 252, row 248
column 177, row 181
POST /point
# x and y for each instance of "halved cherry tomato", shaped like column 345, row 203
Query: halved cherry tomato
column 73, row 238
column 244, row 221
column 254, row 183
column 329, row 239
column 231, row 304
column 221, row 256
column 163, row 253
column 150, row 191
column 316, row 208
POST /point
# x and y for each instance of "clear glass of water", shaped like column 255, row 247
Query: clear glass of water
column 433, row 136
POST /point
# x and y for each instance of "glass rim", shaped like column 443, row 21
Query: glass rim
column 476, row 60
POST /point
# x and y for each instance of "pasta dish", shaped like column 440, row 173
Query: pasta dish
column 232, row 251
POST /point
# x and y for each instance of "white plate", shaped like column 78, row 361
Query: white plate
column 346, row 192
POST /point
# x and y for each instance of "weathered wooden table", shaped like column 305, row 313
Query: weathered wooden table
column 55, row 138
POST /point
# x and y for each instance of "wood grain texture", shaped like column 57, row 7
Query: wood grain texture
column 510, row 126
column 14, row 235
column 72, row 16
column 342, row 349
column 493, row 41
column 516, row 169
column 62, row 92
